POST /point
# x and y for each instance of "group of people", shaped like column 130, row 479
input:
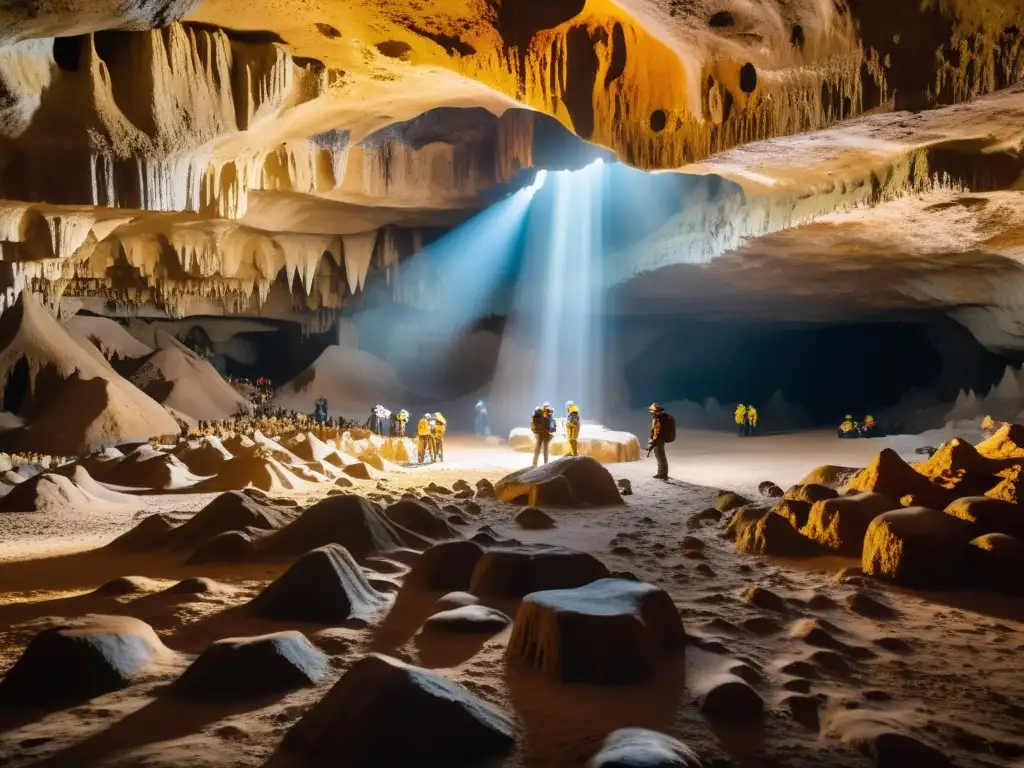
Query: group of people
column 544, row 426
column 850, row 427
column 260, row 392
column 430, row 436
column 746, row 420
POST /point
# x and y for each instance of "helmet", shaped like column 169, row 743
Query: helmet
column 479, row 403
column 546, row 406
column 869, row 418
column 848, row 416
column 569, row 403
column 440, row 417
column 574, row 409
column 427, row 416
column 655, row 407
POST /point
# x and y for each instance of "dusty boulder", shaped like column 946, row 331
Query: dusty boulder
column 534, row 519
column 420, row 519
column 572, row 481
column 512, row 572
column 810, row 493
column 467, row 620
column 728, row 697
column 892, row 477
column 609, row 631
column 80, row 660
column 989, row 515
column 774, row 535
column 227, row 547
column 728, row 500
column 840, row 524
column 770, row 490
column 254, row 666
column 917, row 548
column 796, row 511
column 150, row 533
column 830, row 476
column 323, row 586
column 995, row 562
column 741, row 519
column 640, row 748
column 389, row 714
column 446, row 566
column 231, row 511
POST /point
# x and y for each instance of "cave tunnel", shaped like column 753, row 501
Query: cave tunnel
column 17, row 387
column 826, row 369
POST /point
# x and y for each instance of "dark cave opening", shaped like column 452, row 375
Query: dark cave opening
column 825, row 369
column 17, row 388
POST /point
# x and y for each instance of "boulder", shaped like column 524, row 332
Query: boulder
column 231, row 511
column 957, row 466
column 917, row 548
column 420, row 519
column 461, row 485
column 728, row 697
column 391, row 715
column 728, row 500
column 763, row 598
column 150, row 533
column 770, row 489
column 196, row 585
column 468, row 620
column 323, row 586
column 78, row 661
column 125, row 585
column 512, row 572
column 349, row 520
column 361, row 470
column 227, row 547
column 830, row 476
column 445, row 567
column 625, row 487
column 254, row 666
column 609, row 631
column 534, row 519
column 892, row 477
column 995, row 562
column 640, row 748
column 989, row 515
column 810, row 493
column 709, row 515
column 841, row 523
column 774, row 535
column 796, row 511
column 572, row 481
column 743, row 518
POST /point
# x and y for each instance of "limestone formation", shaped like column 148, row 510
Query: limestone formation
column 513, row 572
column 323, row 586
column 609, row 631
column 78, row 661
column 254, row 666
column 441, row 723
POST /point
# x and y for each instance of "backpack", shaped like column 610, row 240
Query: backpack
column 539, row 423
column 668, row 428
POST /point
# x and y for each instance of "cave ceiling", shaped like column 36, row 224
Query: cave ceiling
column 273, row 156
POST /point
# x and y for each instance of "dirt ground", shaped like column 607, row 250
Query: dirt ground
column 943, row 667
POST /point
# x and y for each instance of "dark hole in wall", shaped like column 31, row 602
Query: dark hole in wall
column 796, row 36
column 617, row 65
column 748, row 78
column 721, row 19
column 658, row 120
column 582, row 64
column 828, row 370
column 17, row 386
column 67, row 52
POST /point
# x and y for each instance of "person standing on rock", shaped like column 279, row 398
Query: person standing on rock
column 543, row 427
column 663, row 430
column 423, row 433
column 572, row 428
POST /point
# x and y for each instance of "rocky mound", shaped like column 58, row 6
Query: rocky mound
column 309, row 447
column 533, row 519
column 957, row 466
column 609, row 631
column 891, row 476
column 348, row 520
column 420, row 519
column 1009, row 485
column 254, row 666
column 80, row 476
column 640, row 748
column 995, row 562
column 257, row 470
column 385, row 713
column 150, row 533
column 841, row 523
column 148, row 469
column 228, row 547
column 512, row 572
column 727, row 696
column 989, row 515
column 796, row 511
column 323, row 586
column 445, row 567
column 51, row 494
column 204, row 456
column 573, row 481
column 727, row 500
column 1006, row 443
column 231, row 511
column 467, row 620
column 917, row 548
column 93, row 656
column 774, row 535
column 810, row 493
column 830, row 476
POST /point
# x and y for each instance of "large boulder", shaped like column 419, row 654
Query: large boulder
column 640, row 748
column 727, row 500
column 231, row 511
column 227, row 547
column 810, row 493
column 609, row 631
column 830, row 476
column 916, row 547
column 420, row 519
column 445, row 567
column 989, row 515
column 254, row 666
column 323, row 586
column 995, row 562
column 891, row 476
column 841, row 523
column 78, row 661
column 743, row 518
column 572, row 481
column 349, row 520
column 390, row 715
column 774, row 535
column 796, row 511
column 511, row 572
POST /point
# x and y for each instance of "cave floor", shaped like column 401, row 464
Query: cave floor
column 944, row 668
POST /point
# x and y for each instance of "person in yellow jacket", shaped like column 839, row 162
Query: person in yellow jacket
column 848, row 427
column 741, row 418
column 423, row 433
column 751, row 420
column 440, row 426
column 572, row 428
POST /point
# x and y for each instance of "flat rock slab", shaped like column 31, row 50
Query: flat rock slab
column 93, row 656
column 640, row 748
column 253, row 666
column 512, row 572
column 323, row 586
column 468, row 619
column 609, row 631
column 389, row 714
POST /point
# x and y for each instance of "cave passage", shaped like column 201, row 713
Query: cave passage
column 17, row 388
column 828, row 370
